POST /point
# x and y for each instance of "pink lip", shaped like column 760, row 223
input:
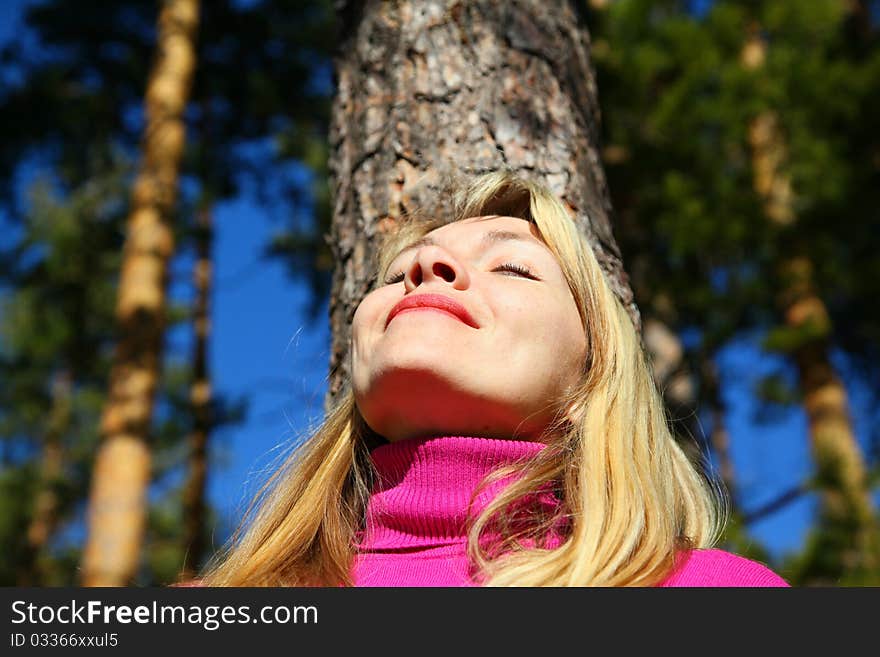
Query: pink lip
column 435, row 301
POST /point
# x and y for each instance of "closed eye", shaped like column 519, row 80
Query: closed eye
column 520, row 270
column 396, row 278
column 517, row 269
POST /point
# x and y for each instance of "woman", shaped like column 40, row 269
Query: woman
column 501, row 427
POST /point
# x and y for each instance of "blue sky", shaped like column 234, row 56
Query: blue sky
column 263, row 347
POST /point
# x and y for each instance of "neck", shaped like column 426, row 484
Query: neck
column 425, row 487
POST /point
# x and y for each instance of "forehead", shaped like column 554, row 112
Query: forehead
column 479, row 233
column 483, row 224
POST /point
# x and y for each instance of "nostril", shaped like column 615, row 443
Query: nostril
column 444, row 271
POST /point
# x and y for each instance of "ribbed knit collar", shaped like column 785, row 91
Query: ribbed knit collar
column 424, row 486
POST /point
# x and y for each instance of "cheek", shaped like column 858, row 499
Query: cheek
column 567, row 342
column 363, row 320
column 575, row 341
column 365, row 324
column 537, row 332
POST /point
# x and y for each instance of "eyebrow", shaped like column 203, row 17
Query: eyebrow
column 492, row 236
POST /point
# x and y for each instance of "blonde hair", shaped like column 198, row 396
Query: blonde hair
column 630, row 499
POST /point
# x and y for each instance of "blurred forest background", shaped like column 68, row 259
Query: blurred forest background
column 741, row 141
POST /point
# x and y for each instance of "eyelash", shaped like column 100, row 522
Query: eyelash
column 507, row 266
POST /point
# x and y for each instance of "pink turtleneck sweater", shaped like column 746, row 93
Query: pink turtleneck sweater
column 415, row 535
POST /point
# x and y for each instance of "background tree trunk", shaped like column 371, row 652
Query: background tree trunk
column 719, row 438
column 432, row 87
column 847, row 511
column 118, row 496
column 200, row 398
column 45, row 514
column 675, row 382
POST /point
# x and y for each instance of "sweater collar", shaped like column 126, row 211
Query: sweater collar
column 424, row 486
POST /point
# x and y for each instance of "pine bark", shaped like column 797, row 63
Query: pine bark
column 200, row 398
column 428, row 88
column 117, row 504
column 847, row 510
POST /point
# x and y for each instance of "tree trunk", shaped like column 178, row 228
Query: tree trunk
column 432, row 87
column 719, row 439
column 45, row 514
column 684, row 391
column 675, row 381
column 200, row 398
column 117, row 509
column 846, row 507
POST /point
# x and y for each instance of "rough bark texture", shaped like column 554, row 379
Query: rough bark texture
column 428, row 88
column 200, row 398
column 117, row 505
column 841, row 474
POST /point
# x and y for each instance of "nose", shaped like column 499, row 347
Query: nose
column 434, row 263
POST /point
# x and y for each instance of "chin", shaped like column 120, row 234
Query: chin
column 408, row 392
column 403, row 403
column 426, row 367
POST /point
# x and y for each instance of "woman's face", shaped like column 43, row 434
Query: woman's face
column 495, row 362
